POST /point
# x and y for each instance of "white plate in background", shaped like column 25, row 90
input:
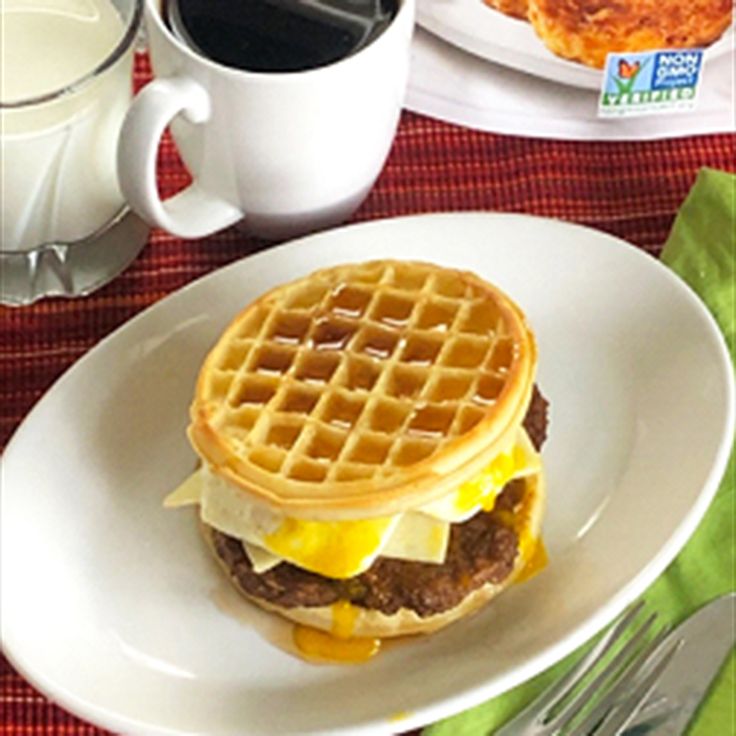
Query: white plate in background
column 111, row 606
column 486, row 32
column 450, row 84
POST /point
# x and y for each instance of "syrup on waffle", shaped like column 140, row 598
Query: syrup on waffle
column 360, row 379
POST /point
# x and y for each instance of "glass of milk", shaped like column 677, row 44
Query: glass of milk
column 65, row 86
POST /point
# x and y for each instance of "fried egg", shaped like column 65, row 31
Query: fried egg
column 343, row 549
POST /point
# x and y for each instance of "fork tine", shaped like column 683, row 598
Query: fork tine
column 531, row 719
column 571, row 709
column 622, row 683
column 622, row 714
column 560, row 689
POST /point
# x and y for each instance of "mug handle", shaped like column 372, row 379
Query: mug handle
column 193, row 212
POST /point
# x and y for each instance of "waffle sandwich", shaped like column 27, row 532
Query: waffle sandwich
column 366, row 469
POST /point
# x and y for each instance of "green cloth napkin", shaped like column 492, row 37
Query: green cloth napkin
column 702, row 249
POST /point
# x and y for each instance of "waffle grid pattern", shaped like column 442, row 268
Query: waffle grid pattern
column 361, row 371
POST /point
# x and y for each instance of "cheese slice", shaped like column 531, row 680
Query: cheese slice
column 260, row 559
column 418, row 537
column 187, row 494
column 415, row 537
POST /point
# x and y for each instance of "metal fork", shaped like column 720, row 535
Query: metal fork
column 613, row 697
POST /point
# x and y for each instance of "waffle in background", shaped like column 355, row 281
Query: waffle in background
column 514, row 8
column 588, row 31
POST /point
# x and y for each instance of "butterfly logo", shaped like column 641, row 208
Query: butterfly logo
column 626, row 70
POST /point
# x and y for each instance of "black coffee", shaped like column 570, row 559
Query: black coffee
column 278, row 35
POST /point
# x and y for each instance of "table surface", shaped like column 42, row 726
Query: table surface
column 631, row 190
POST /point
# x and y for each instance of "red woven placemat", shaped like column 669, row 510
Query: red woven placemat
column 628, row 189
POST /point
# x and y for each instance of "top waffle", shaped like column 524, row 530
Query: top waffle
column 364, row 389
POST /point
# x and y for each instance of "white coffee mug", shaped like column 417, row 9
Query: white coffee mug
column 285, row 152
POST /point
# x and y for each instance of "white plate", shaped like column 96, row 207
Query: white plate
column 450, row 84
column 111, row 606
column 488, row 33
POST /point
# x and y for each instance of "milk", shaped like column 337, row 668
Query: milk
column 58, row 176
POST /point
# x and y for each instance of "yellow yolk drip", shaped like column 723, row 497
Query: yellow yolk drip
column 339, row 645
column 485, row 487
column 535, row 563
column 531, row 549
column 333, row 549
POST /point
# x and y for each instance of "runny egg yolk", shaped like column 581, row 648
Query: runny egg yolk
column 531, row 548
column 339, row 645
column 482, row 490
column 334, row 549
column 535, row 563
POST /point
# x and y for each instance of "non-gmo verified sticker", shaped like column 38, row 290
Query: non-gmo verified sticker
column 650, row 82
